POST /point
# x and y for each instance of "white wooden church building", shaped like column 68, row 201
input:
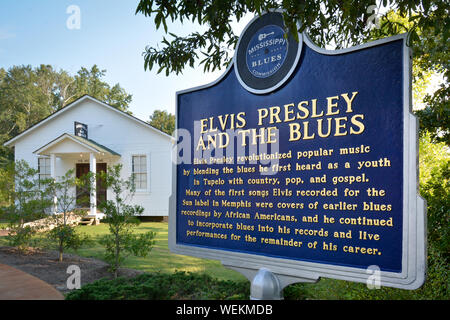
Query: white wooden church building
column 90, row 135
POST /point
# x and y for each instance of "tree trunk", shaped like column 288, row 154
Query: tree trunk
column 116, row 267
column 61, row 250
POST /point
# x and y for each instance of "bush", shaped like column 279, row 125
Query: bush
column 122, row 219
column 28, row 202
column 159, row 286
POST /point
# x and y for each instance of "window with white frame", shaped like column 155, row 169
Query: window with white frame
column 139, row 171
column 44, row 168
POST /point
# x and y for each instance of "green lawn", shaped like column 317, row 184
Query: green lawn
column 160, row 258
column 3, row 224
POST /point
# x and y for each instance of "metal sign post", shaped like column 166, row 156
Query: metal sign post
column 266, row 285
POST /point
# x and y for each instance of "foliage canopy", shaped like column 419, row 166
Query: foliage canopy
column 341, row 23
column 163, row 120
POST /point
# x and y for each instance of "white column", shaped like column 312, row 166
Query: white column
column 53, row 176
column 53, row 165
column 93, row 196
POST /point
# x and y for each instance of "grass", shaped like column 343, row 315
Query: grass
column 3, row 224
column 160, row 258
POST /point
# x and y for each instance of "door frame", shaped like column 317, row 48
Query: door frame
column 101, row 166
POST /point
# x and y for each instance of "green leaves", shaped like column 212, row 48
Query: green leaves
column 140, row 245
column 179, row 52
column 90, row 81
column 431, row 56
column 162, row 120
column 343, row 23
column 175, row 54
column 28, row 203
column 63, row 234
column 122, row 218
column 340, row 23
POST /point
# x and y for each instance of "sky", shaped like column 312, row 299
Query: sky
column 34, row 32
column 111, row 35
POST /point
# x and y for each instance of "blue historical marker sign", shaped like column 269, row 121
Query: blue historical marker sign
column 302, row 160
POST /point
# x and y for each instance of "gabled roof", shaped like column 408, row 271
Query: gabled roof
column 87, row 143
column 74, row 104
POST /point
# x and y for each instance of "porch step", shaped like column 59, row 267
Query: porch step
column 89, row 221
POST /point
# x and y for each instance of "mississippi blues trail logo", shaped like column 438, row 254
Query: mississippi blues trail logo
column 266, row 51
column 266, row 54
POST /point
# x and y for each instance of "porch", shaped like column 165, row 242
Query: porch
column 84, row 156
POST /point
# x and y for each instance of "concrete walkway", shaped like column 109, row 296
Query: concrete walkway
column 18, row 285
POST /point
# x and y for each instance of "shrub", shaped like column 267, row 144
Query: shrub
column 160, row 286
column 28, row 202
column 121, row 240
column 64, row 235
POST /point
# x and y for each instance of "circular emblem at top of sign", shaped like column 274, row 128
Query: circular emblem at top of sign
column 265, row 58
column 266, row 51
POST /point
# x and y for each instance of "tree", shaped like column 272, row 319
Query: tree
column 163, row 120
column 22, row 103
column 62, row 225
column 90, row 82
column 435, row 188
column 29, row 201
column 342, row 23
column 122, row 219
column 6, row 184
column 435, row 118
column 430, row 57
